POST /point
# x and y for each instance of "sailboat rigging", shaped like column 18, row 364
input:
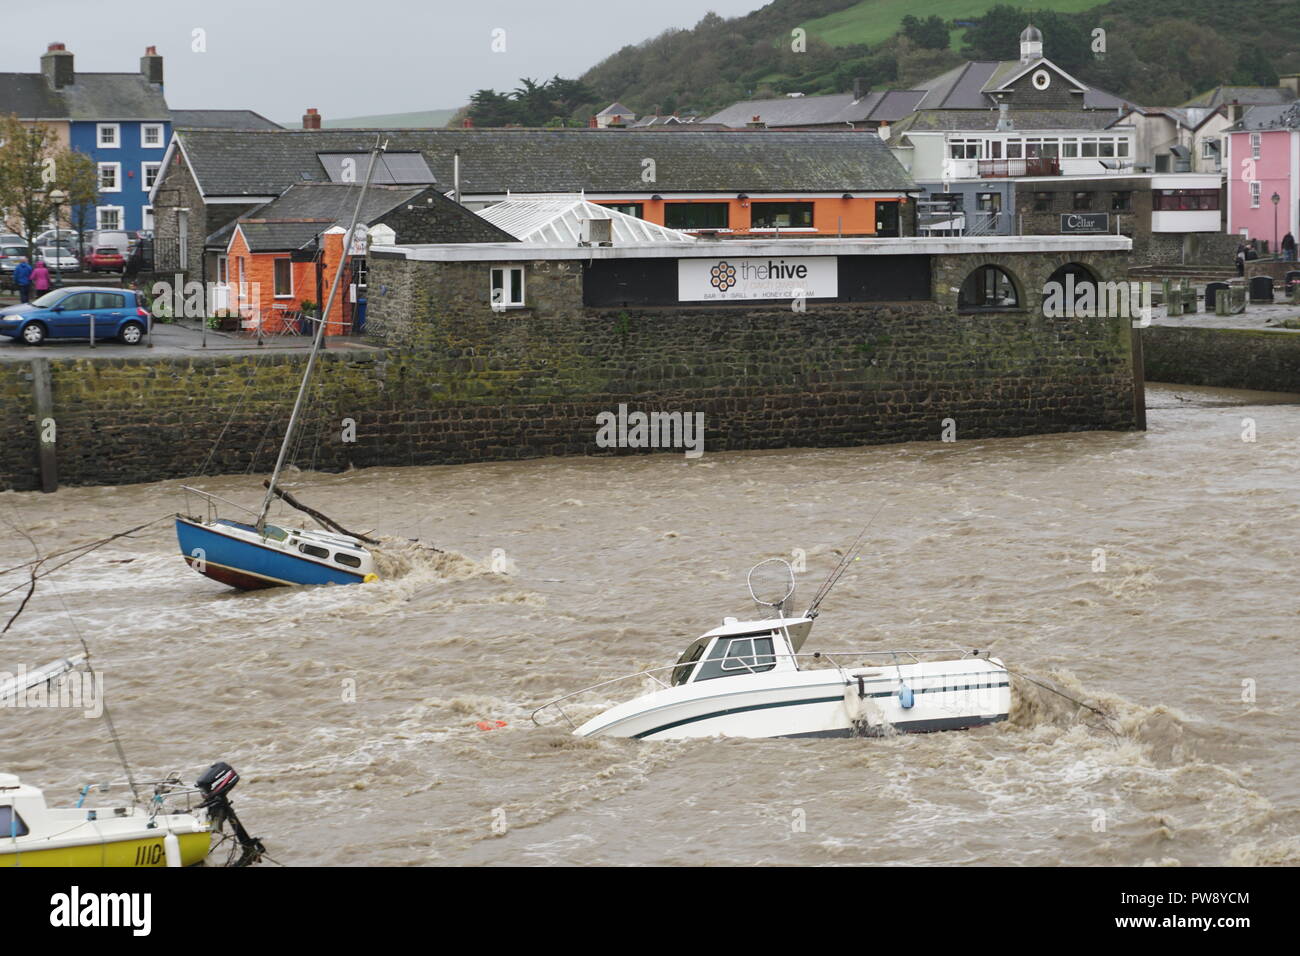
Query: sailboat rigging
column 254, row 554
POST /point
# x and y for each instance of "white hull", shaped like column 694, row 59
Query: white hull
column 947, row 695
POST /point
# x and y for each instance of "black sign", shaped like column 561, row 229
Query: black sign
column 1085, row 222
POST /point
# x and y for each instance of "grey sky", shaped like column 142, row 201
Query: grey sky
column 345, row 57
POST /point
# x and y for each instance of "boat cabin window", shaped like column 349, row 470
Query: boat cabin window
column 351, row 560
column 314, row 551
column 685, row 663
column 11, row 824
column 274, row 533
column 746, row 654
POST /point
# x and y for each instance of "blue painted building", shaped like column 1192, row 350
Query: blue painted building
column 120, row 120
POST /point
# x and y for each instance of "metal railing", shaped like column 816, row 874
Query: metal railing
column 690, row 667
column 1032, row 166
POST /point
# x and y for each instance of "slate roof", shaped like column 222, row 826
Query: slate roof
column 1244, row 95
column 1269, row 117
column 987, row 120
column 222, row 119
column 92, row 96
column 834, row 109
column 114, row 96
column 966, row 87
column 28, row 96
column 557, row 220
column 616, row 109
column 305, row 210
column 497, row 161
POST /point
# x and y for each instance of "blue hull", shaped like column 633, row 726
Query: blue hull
column 243, row 564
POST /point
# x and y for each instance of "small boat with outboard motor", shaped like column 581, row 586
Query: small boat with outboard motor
column 178, row 825
column 750, row 679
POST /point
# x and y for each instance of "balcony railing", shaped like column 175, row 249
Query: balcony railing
column 1033, row 166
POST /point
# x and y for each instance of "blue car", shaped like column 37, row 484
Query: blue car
column 69, row 313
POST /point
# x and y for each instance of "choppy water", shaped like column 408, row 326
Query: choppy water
column 612, row 565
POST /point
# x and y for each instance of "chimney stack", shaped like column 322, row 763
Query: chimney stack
column 311, row 119
column 57, row 66
column 860, row 88
column 467, row 123
column 1291, row 81
column 756, row 122
column 151, row 66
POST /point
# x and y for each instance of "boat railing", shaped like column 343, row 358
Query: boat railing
column 757, row 663
column 211, row 502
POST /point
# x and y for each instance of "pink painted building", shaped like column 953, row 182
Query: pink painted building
column 1262, row 161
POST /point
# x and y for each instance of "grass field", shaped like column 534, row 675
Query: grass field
column 872, row 21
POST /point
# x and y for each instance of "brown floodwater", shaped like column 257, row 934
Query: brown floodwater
column 352, row 712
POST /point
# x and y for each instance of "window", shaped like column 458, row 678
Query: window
column 148, row 175
column 747, row 654
column 109, row 300
column 314, row 551
column 1074, row 281
column 1070, row 149
column 1256, row 191
column 1209, row 149
column 1042, row 202
column 351, row 560
column 1176, row 200
column 151, row 135
column 108, row 135
column 686, row 663
column 1088, row 149
column 988, row 287
column 11, row 824
column 146, row 218
column 989, row 202
column 964, row 149
column 628, row 209
column 78, row 302
column 110, row 177
column 1121, row 148
column 108, row 217
column 697, row 215
column 284, row 282
column 1256, row 141
column 782, row 215
column 507, row 289
column 1015, row 149
column 1121, row 201
column 1082, row 201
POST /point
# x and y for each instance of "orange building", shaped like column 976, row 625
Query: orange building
column 767, row 216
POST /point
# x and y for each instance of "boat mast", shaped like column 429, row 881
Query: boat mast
column 320, row 338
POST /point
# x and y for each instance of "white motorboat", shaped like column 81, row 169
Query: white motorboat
column 749, row 679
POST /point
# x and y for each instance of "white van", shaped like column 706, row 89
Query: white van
column 116, row 238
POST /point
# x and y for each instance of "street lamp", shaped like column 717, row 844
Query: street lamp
column 1275, row 198
column 57, row 196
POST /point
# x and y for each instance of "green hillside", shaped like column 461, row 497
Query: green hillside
column 874, row 21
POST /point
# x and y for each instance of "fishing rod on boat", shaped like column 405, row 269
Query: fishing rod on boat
column 837, row 572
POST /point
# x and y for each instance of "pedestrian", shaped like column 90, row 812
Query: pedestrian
column 1241, row 258
column 1288, row 247
column 23, row 279
column 40, row 278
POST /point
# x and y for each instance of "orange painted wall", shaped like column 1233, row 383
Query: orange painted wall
column 259, row 276
column 849, row 217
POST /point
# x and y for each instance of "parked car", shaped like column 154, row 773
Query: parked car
column 59, row 258
column 105, row 259
column 62, row 237
column 67, row 314
column 10, row 255
column 119, row 239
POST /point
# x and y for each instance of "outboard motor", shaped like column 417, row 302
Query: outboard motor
column 215, row 785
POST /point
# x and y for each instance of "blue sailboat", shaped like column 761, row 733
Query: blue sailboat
column 253, row 554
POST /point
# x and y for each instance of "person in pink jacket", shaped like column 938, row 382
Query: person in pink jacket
column 40, row 278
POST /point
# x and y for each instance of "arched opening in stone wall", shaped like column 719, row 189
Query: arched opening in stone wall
column 988, row 287
column 1070, row 290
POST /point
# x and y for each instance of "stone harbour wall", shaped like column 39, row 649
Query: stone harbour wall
column 458, row 382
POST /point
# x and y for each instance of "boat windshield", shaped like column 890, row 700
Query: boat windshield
column 274, row 533
column 685, row 663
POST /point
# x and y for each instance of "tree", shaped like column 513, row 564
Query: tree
column 33, row 165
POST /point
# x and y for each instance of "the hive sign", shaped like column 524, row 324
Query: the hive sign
column 776, row 277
